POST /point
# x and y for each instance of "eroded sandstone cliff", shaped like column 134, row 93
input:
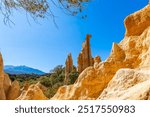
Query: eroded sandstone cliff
column 128, row 84
column 131, row 57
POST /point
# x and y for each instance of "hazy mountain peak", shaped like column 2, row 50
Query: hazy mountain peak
column 22, row 69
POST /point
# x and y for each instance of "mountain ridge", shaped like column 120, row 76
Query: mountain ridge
column 22, row 69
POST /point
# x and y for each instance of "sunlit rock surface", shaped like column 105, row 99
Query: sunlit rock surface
column 33, row 93
column 131, row 57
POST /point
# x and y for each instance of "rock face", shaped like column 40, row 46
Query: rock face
column 42, row 87
column 97, row 60
column 14, row 91
column 5, row 82
column 85, row 58
column 131, row 57
column 136, row 23
column 8, row 90
column 33, row 93
column 2, row 92
column 128, row 84
column 25, row 86
column 68, row 67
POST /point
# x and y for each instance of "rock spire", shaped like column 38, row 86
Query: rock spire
column 69, row 67
column 85, row 57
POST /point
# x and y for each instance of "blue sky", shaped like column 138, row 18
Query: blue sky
column 43, row 46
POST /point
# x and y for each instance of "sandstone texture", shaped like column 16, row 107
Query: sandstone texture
column 128, row 84
column 8, row 90
column 42, row 87
column 33, row 93
column 25, row 86
column 124, row 74
column 68, row 67
column 85, row 57
column 2, row 92
column 5, row 82
column 14, row 91
column 137, row 22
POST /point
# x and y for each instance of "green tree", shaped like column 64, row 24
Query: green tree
column 73, row 77
column 58, row 69
column 46, row 81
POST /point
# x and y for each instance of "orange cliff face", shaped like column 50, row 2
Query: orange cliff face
column 126, row 72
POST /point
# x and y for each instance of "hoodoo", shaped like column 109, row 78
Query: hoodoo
column 125, row 74
column 68, row 67
column 85, row 57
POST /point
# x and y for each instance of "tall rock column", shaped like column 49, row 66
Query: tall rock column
column 85, row 57
column 2, row 92
column 68, row 68
column 5, row 81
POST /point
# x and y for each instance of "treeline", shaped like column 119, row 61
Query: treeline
column 52, row 81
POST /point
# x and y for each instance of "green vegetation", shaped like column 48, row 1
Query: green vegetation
column 72, row 77
column 52, row 81
column 31, row 78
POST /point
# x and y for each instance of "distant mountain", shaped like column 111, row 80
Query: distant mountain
column 22, row 70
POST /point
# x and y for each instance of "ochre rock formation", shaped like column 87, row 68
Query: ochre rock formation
column 85, row 58
column 68, row 67
column 131, row 57
column 92, row 80
column 25, row 86
column 2, row 92
column 5, row 82
column 8, row 90
column 33, row 93
column 14, row 91
column 97, row 60
column 128, row 84
column 42, row 87
column 137, row 22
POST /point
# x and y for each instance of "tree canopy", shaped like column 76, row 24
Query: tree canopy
column 41, row 8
